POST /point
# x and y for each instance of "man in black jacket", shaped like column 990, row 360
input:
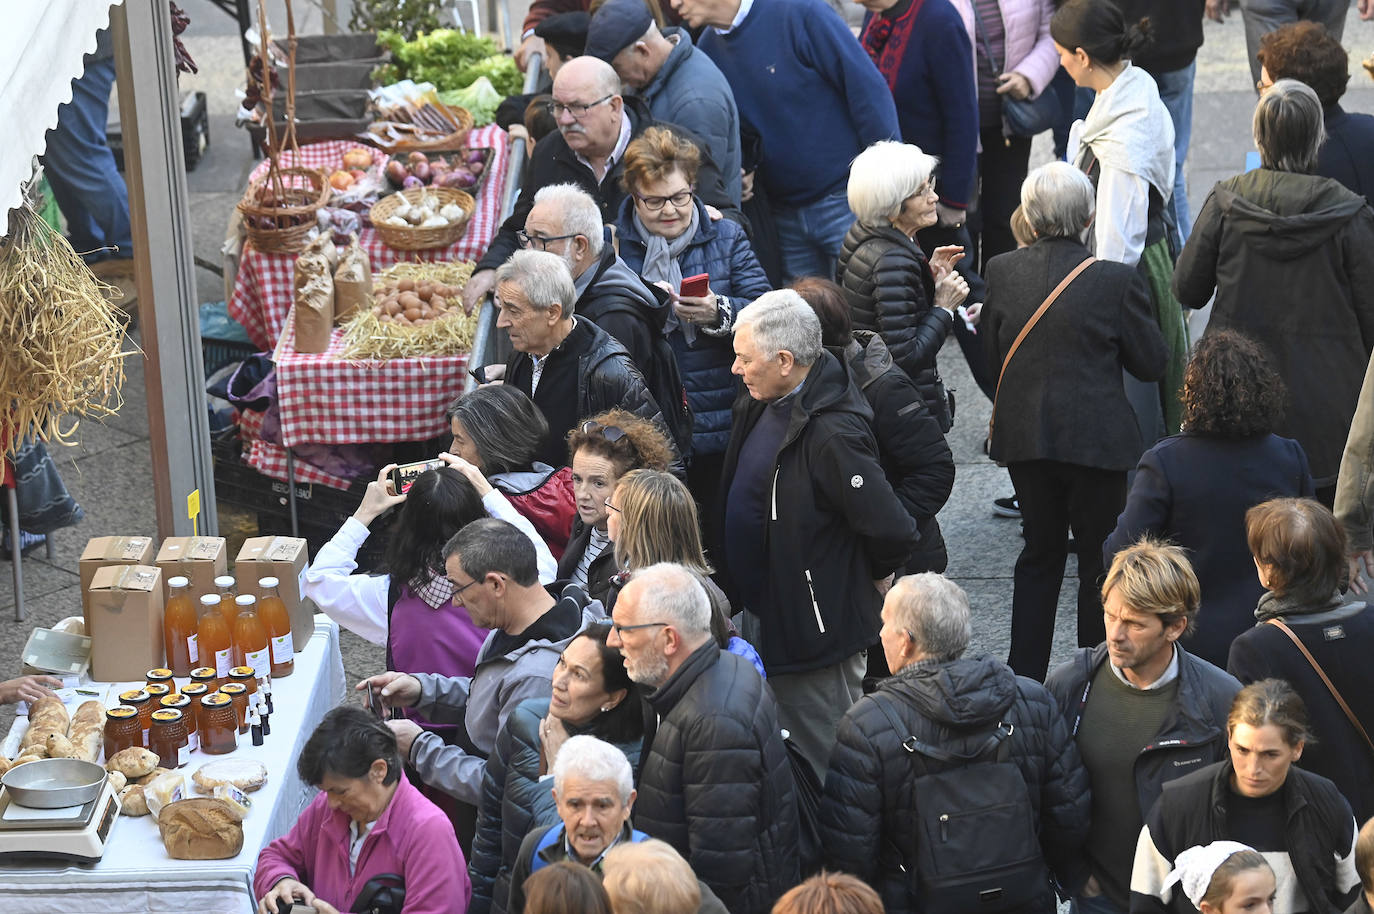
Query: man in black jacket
column 715, row 781
column 953, row 703
column 1142, row 710
column 595, row 124
column 567, row 365
column 812, row 530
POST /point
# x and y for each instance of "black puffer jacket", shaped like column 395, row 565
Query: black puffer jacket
column 890, row 290
column 515, row 801
column 866, row 810
column 716, row 783
column 911, row 448
column 1318, row 826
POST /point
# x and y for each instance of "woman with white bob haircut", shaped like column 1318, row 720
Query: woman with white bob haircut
column 1061, row 422
column 890, row 286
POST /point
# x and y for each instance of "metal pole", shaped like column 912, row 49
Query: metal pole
column 164, row 267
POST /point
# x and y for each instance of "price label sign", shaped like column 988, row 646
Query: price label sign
column 193, row 511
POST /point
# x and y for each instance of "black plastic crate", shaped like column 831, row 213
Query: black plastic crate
column 217, row 353
column 195, row 132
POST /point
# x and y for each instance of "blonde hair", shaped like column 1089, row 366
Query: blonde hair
column 649, row 877
column 1156, row 578
column 658, row 522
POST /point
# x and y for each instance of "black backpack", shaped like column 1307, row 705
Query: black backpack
column 976, row 844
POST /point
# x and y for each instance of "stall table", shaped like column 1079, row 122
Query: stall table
column 135, row 874
column 264, row 289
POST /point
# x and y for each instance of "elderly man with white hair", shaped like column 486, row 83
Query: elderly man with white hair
column 566, row 364
column 566, row 221
column 715, row 781
column 595, row 124
column 812, row 529
column 997, row 741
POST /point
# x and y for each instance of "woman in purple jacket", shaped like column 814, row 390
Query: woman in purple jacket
column 366, row 821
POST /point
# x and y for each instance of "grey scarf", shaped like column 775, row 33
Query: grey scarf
column 661, row 264
column 1273, row 606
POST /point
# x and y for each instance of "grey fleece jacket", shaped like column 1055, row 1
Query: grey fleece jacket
column 483, row 702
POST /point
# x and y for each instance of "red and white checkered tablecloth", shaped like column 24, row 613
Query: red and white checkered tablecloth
column 326, row 399
column 264, row 288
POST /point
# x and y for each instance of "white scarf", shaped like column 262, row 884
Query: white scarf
column 1195, row 867
column 1129, row 129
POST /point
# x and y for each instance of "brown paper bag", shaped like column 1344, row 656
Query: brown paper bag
column 352, row 282
column 315, row 314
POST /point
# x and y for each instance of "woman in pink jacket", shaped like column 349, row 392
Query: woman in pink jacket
column 1022, row 63
column 367, row 826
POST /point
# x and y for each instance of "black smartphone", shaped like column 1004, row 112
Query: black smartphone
column 373, row 700
column 479, row 374
column 404, row 476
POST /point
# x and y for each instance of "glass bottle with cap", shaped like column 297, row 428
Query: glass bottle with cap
column 278, row 622
column 179, row 627
column 214, row 641
column 250, row 637
column 226, row 588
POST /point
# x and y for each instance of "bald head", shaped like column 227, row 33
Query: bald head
column 590, row 73
column 588, row 107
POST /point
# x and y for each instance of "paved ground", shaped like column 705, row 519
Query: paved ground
column 109, row 471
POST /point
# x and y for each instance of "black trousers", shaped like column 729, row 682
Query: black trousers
column 1001, row 170
column 1056, row 498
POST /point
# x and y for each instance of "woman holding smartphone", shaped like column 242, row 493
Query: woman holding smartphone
column 705, row 268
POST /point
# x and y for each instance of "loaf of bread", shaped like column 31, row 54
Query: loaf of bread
column 87, row 731
column 133, row 763
column 46, row 716
column 200, row 828
column 245, row 774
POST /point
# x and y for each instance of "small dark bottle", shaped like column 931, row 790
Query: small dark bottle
column 255, row 724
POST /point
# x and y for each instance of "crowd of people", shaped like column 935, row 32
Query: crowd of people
column 669, row 632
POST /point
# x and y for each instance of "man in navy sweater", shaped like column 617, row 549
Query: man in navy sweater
column 803, row 82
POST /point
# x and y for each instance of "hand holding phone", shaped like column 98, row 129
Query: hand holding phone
column 404, row 476
column 695, row 286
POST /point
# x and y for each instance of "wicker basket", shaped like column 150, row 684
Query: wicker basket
column 303, row 192
column 414, row 238
column 462, row 123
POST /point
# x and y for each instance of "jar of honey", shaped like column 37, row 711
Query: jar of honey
column 246, row 675
column 238, row 693
column 158, row 691
column 122, row 730
column 188, row 710
column 207, row 676
column 168, row 737
column 139, row 700
column 161, row 676
column 219, row 729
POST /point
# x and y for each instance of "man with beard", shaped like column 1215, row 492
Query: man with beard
column 715, row 781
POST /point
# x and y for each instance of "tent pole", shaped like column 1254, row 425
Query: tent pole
column 164, row 268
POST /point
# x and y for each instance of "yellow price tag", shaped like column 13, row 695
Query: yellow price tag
column 193, row 511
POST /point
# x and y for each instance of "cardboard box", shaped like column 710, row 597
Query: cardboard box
column 103, row 551
column 200, row 558
column 284, row 558
column 125, row 622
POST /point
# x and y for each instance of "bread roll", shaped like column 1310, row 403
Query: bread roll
column 151, row 776
column 36, row 751
column 60, row 747
column 200, row 828
column 5, row 765
column 245, row 774
column 117, row 781
column 133, row 762
column 132, row 802
column 47, row 716
column 87, row 731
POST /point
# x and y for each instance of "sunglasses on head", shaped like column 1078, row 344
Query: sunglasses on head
column 611, row 433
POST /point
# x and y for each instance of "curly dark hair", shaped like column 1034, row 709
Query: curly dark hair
column 1230, row 389
column 1307, row 52
column 642, row 446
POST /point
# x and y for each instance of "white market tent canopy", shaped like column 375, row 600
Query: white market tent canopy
column 42, row 47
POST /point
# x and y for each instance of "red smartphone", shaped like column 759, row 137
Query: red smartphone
column 695, row 286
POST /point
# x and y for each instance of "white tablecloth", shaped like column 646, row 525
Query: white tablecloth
column 136, row 875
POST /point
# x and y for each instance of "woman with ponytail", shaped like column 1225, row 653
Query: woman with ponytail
column 1126, row 146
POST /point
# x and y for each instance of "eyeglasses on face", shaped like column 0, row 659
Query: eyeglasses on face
column 607, row 503
column 576, row 109
column 539, row 242
column 622, row 629
column 611, row 433
column 679, row 199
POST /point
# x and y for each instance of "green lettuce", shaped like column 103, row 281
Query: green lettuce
column 480, row 99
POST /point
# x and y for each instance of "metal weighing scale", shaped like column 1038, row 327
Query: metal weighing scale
column 74, row 833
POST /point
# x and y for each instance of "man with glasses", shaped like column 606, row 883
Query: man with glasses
column 496, row 582
column 681, row 85
column 566, row 364
column 715, row 781
column 595, row 124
